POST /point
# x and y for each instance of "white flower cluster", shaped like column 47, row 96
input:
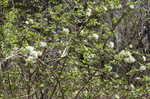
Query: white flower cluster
column 111, row 44
column 137, row 78
column 94, row 36
column 119, row 6
column 89, row 12
column 30, row 48
column 144, row 58
column 116, row 75
column 43, row 44
column 142, row 68
column 29, row 21
column 130, row 46
column 33, row 54
column 116, row 96
column 66, row 30
column 129, row 58
column 132, row 86
column 131, row 6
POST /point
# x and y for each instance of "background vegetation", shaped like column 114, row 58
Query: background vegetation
column 74, row 49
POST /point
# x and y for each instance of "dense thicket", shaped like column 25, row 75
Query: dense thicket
column 74, row 49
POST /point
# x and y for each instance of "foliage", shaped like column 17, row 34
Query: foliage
column 74, row 49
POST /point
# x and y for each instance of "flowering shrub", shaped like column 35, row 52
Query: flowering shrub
column 43, row 44
column 74, row 49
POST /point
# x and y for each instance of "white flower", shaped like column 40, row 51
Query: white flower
column 116, row 75
column 131, row 6
column 89, row 12
column 43, row 44
column 27, row 22
column 123, row 52
column 66, row 30
column 144, row 58
column 130, row 59
column 132, row 86
column 30, row 48
column 137, row 78
column 30, row 59
column 116, row 96
column 119, row 6
column 34, row 54
column 82, row 31
column 130, row 46
column 142, row 68
column 39, row 53
column 111, row 45
column 95, row 36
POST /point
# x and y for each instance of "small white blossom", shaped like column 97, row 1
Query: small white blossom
column 82, row 31
column 119, row 6
column 34, row 54
column 130, row 46
column 30, row 58
column 30, row 48
column 144, row 58
column 116, row 96
column 43, row 44
column 27, row 22
column 132, row 86
column 66, row 30
column 95, row 36
column 130, row 59
column 39, row 53
column 111, row 45
column 116, row 75
column 142, row 68
column 137, row 78
column 75, row 92
column 89, row 12
column 123, row 52
column 131, row 6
